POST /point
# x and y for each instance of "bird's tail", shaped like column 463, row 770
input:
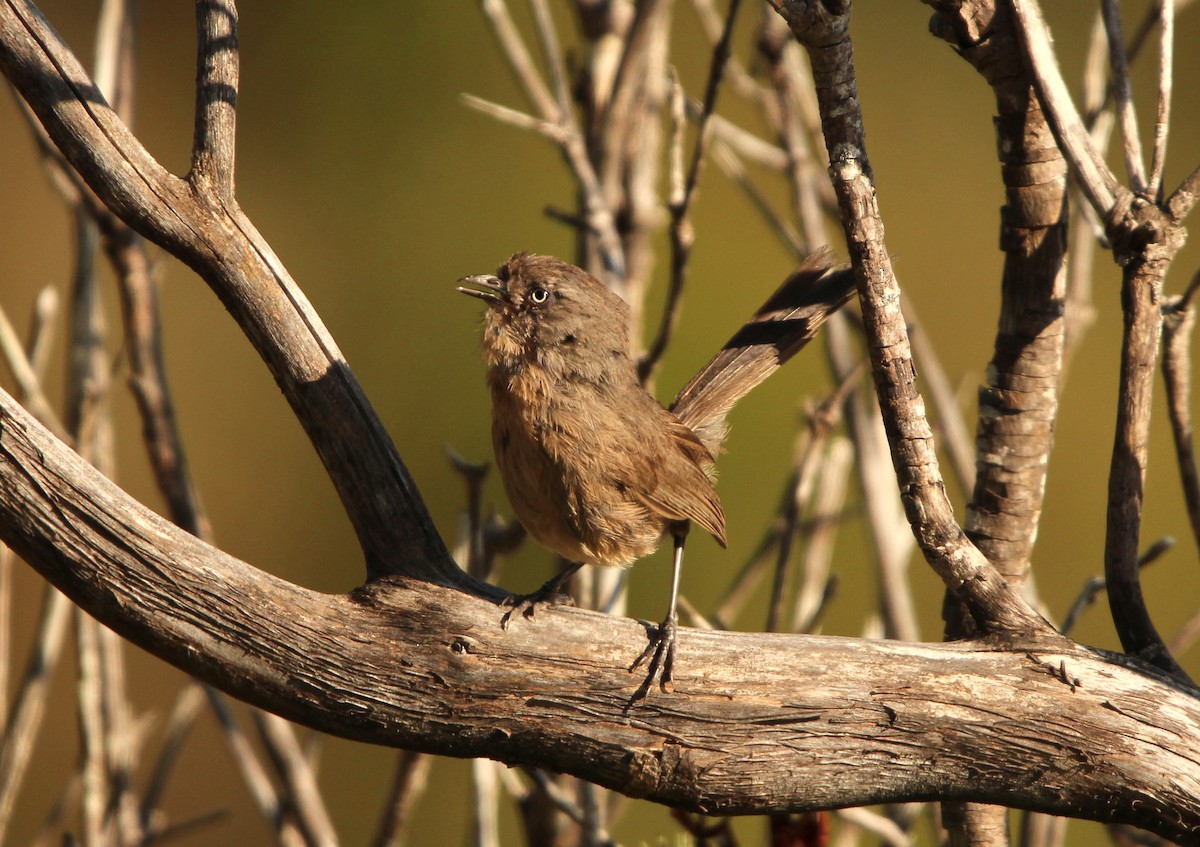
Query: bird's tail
column 781, row 326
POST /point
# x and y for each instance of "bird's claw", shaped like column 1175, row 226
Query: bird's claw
column 526, row 605
column 660, row 653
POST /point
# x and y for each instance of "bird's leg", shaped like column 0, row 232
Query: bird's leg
column 661, row 649
column 551, row 593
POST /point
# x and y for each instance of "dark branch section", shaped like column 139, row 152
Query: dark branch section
column 201, row 224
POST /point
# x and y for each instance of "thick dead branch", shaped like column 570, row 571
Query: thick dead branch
column 428, row 668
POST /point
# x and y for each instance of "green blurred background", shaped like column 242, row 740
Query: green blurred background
column 378, row 189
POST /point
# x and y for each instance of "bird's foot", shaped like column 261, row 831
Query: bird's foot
column 526, row 605
column 660, row 653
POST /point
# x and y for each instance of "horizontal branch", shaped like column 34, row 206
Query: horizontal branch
column 758, row 723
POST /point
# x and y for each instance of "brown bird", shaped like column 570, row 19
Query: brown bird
column 595, row 468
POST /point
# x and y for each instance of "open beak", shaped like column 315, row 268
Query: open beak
column 488, row 287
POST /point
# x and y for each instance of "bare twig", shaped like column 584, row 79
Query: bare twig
column 408, row 784
column 818, row 585
column 570, row 139
column 92, row 729
column 183, row 717
column 993, row 602
column 1097, row 181
column 1179, row 319
column 255, row 776
column 298, row 778
column 680, row 204
column 1126, row 116
column 30, row 703
column 27, row 378
column 1162, row 118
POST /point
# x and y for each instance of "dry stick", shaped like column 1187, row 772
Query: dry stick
column 1085, row 232
column 212, row 165
column 5, row 628
column 570, row 140
column 485, row 817
column 817, row 587
column 1162, row 117
column 22, row 723
column 408, row 784
column 1179, row 319
column 890, row 538
column 789, row 80
column 552, row 53
column 29, row 706
column 188, row 703
column 93, row 762
column 997, row 606
column 810, row 464
column 1126, row 115
column 876, row 824
column 115, row 34
column 298, row 778
column 951, row 426
column 263, row 792
column 625, row 132
column 733, row 168
column 680, row 205
column 28, row 381
column 1094, row 585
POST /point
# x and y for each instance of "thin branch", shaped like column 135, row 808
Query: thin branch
column 552, row 52
column 408, row 784
column 299, row 781
column 29, row 706
column 1162, row 118
column 179, row 725
column 27, row 379
column 270, row 805
column 1126, row 115
column 1179, row 319
column 217, row 59
column 681, row 236
column 680, row 204
column 570, row 140
column 390, row 520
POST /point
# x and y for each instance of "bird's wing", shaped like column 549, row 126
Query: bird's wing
column 682, row 488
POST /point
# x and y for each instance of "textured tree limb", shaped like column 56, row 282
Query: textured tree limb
column 195, row 219
column 996, row 606
column 428, row 668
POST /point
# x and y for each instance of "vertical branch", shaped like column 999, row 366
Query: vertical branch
column 1145, row 239
column 213, row 145
column 408, row 783
column 1162, row 118
column 993, row 602
column 1179, row 321
column 1126, row 116
column 20, row 733
column 682, row 232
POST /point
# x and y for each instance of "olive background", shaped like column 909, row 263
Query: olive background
column 378, row 188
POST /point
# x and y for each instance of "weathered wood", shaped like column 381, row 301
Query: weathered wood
column 758, row 722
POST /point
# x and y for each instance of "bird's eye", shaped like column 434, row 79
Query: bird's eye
column 538, row 294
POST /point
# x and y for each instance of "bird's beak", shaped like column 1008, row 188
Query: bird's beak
column 489, row 288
